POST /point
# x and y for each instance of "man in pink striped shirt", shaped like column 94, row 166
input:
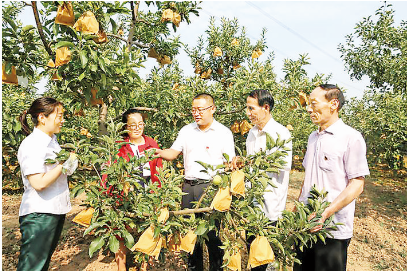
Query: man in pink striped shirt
column 336, row 162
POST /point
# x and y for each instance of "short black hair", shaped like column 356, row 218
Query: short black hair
column 208, row 97
column 333, row 92
column 263, row 97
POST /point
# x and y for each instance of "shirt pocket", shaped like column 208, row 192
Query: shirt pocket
column 327, row 162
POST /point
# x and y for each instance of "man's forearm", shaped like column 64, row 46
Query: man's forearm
column 351, row 192
column 168, row 154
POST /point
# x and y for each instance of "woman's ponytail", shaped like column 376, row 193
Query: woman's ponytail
column 44, row 105
column 24, row 123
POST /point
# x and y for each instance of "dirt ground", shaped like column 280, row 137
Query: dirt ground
column 379, row 242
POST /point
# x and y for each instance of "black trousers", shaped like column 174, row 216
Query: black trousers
column 195, row 261
column 39, row 238
column 331, row 256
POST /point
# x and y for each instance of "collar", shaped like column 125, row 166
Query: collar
column 334, row 128
column 267, row 128
column 42, row 138
column 213, row 126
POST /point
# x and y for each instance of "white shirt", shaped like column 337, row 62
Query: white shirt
column 335, row 156
column 205, row 146
column 32, row 153
column 275, row 200
column 138, row 154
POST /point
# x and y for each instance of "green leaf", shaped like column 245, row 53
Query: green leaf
column 114, row 26
column 64, row 43
column 9, row 65
column 226, row 156
column 96, row 245
column 129, row 238
column 113, row 243
column 202, row 228
column 270, row 142
column 102, row 64
column 81, row 76
column 84, row 58
column 103, row 77
column 28, row 28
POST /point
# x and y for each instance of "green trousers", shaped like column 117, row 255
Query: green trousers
column 39, row 237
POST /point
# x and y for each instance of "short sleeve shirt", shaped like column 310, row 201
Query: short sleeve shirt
column 32, row 153
column 335, row 156
column 205, row 146
column 275, row 200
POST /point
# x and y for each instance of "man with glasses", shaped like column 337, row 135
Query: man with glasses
column 204, row 140
column 336, row 162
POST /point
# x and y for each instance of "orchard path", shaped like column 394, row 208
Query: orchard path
column 379, row 242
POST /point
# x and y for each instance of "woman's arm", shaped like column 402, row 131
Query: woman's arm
column 40, row 181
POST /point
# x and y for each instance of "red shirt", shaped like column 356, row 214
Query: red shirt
column 126, row 152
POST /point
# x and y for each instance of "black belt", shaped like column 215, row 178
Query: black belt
column 196, row 181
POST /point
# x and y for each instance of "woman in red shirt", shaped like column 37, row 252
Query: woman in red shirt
column 138, row 143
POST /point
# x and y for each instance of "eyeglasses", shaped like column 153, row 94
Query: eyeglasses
column 136, row 126
column 200, row 111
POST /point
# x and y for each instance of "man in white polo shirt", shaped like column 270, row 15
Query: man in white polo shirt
column 204, row 140
column 336, row 162
column 259, row 105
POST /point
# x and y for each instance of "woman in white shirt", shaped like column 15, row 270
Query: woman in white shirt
column 46, row 195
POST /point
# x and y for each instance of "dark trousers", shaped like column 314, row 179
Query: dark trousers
column 331, row 256
column 195, row 261
column 39, row 238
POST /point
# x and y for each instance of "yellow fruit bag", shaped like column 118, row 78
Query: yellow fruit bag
column 256, row 53
column 167, row 15
column 188, row 242
column 245, row 127
column 51, row 64
column 63, row 56
column 235, row 127
column 237, row 183
column 101, row 37
column 9, row 78
column 56, row 76
column 87, row 23
column 221, row 202
column 93, row 100
column 303, row 98
column 164, row 60
column 65, row 14
column 176, row 19
column 260, row 252
column 152, row 53
column 148, row 244
column 235, row 262
column 84, row 217
column 217, row 52
column 164, row 215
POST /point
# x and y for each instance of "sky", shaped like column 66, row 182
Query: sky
column 293, row 28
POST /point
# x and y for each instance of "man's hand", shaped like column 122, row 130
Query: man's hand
column 237, row 163
column 321, row 220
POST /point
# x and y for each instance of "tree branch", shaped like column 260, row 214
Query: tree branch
column 202, row 197
column 133, row 23
column 231, row 112
column 180, row 212
column 139, row 44
column 39, row 27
